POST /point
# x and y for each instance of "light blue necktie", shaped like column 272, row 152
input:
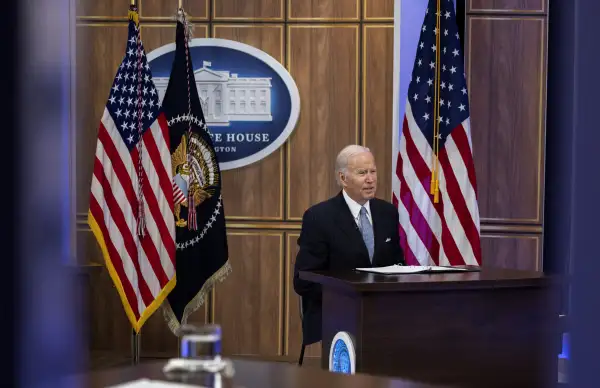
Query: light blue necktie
column 366, row 229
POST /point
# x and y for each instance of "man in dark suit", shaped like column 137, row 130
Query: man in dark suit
column 351, row 230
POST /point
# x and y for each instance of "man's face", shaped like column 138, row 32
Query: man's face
column 360, row 182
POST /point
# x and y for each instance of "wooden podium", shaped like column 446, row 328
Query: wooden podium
column 493, row 328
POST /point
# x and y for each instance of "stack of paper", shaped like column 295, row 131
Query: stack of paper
column 407, row 269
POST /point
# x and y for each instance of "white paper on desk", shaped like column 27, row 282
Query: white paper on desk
column 147, row 383
column 407, row 269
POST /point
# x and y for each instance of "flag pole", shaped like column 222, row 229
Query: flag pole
column 135, row 347
column 434, row 189
column 135, row 337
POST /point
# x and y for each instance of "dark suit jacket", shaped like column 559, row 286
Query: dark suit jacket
column 331, row 240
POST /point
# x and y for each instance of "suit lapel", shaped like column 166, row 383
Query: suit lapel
column 346, row 223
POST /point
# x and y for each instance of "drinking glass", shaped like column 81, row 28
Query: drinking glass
column 201, row 343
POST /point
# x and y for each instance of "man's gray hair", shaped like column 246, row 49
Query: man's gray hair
column 341, row 162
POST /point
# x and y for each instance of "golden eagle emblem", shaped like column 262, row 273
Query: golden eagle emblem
column 194, row 174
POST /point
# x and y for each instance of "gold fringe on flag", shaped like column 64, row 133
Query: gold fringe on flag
column 196, row 302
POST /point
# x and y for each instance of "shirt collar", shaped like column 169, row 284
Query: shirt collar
column 355, row 206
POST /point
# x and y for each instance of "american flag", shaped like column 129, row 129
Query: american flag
column 433, row 149
column 132, row 166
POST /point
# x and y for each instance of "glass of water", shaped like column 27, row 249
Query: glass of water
column 200, row 360
column 201, row 343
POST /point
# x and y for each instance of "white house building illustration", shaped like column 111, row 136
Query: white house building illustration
column 226, row 97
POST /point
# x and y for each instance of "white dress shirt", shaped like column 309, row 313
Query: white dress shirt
column 355, row 208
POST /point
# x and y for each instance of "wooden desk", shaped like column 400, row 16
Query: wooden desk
column 494, row 328
column 249, row 374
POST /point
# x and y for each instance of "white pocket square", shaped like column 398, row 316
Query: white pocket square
column 388, row 239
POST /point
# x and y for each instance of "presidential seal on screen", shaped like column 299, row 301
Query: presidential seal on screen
column 342, row 355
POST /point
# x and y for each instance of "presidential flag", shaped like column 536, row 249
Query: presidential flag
column 199, row 216
column 434, row 185
column 131, row 200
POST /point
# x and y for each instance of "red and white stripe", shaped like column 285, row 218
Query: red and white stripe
column 146, row 264
column 443, row 233
column 178, row 195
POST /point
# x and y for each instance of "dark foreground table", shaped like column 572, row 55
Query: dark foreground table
column 249, row 374
column 493, row 328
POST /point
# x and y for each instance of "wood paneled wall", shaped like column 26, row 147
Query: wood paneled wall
column 506, row 52
column 340, row 54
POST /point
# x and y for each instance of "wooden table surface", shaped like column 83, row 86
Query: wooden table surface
column 484, row 278
column 248, row 374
